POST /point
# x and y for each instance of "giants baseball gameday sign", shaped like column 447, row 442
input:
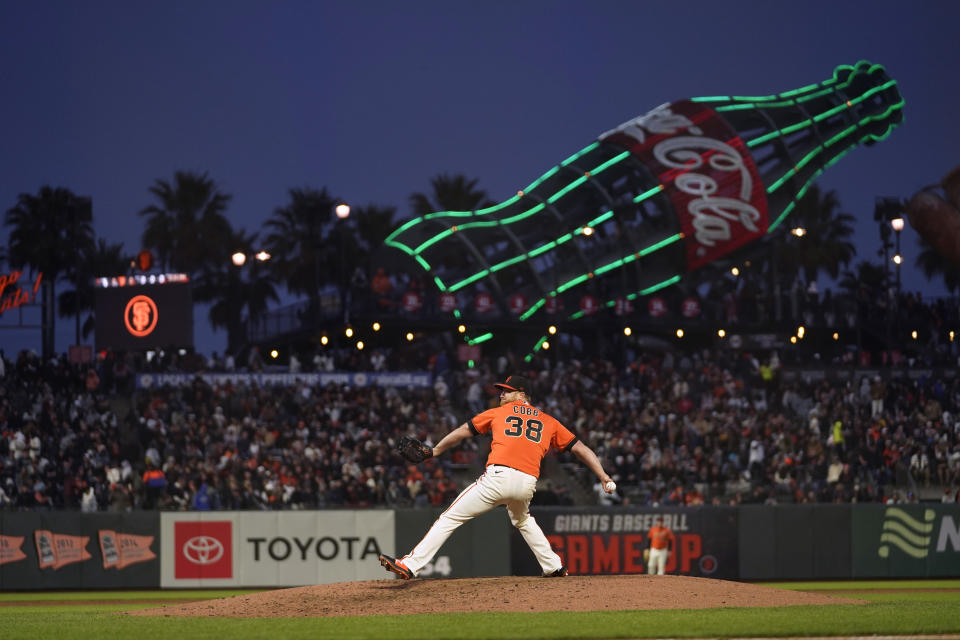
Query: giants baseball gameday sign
column 707, row 172
column 600, row 542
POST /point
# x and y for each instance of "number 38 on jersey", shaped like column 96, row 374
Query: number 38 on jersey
column 530, row 428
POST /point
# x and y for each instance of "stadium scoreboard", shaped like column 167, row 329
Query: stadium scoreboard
column 144, row 312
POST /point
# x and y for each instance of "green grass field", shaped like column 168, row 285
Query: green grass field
column 896, row 608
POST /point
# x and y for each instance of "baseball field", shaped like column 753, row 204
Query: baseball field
column 506, row 607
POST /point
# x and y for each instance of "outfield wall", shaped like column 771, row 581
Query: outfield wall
column 68, row 550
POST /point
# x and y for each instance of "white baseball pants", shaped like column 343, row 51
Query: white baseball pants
column 497, row 486
column 657, row 561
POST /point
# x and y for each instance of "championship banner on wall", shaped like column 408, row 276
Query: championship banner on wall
column 62, row 550
column 287, row 548
column 611, row 540
column 906, row 540
column 408, row 379
column 55, row 550
column 11, row 549
column 120, row 550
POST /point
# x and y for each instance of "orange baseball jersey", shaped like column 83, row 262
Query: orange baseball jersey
column 660, row 537
column 522, row 435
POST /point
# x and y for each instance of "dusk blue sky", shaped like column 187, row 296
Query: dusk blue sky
column 372, row 99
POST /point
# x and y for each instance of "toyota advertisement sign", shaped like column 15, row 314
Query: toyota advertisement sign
column 232, row 548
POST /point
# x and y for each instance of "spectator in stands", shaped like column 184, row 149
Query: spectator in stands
column 155, row 483
column 877, row 392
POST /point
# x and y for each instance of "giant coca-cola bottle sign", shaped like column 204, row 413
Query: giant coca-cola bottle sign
column 706, row 171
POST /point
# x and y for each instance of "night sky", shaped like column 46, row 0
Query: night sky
column 372, row 99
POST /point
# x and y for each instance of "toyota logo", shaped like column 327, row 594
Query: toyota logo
column 202, row 550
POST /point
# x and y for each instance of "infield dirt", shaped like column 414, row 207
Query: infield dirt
column 464, row 595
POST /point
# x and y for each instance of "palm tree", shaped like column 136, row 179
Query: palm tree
column 298, row 236
column 373, row 224
column 869, row 279
column 50, row 232
column 826, row 243
column 187, row 223
column 933, row 264
column 450, row 193
column 238, row 294
column 97, row 259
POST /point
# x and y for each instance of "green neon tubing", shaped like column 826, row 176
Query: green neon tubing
column 657, row 287
column 533, row 309
column 479, row 339
column 646, row 194
column 826, row 114
column 496, row 207
column 572, row 283
column 862, row 66
column 625, row 260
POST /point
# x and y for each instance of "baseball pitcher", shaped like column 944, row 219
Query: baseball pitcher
column 522, row 435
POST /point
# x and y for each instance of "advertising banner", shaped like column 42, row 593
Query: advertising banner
column 915, row 540
column 63, row 550
column 406, row 379
column 283, row 548
column 706, row 170
column 607, row 541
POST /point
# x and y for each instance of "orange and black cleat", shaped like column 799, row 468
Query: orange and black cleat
column 395, row 566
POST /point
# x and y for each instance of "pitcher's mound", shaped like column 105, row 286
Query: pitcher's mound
column 573, row 593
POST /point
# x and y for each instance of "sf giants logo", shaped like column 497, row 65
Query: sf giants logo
column 140, row 316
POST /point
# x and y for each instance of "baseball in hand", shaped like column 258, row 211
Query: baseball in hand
column 610, row 487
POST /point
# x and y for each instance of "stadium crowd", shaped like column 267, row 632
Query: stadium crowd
column 674, row 428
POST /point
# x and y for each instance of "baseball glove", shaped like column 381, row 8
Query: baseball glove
column 413, row 450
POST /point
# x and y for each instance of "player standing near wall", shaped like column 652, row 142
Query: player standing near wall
column 522, row 436
column 661, row 542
